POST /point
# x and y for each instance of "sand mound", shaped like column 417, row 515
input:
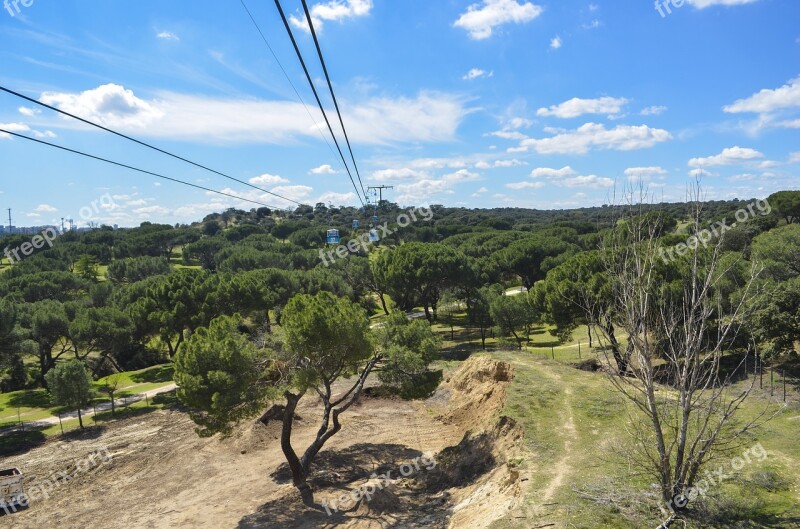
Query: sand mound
column 474, row 394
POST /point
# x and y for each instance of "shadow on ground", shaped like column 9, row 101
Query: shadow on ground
column 421, row 500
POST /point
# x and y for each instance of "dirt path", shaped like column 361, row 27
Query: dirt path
column 563, row 467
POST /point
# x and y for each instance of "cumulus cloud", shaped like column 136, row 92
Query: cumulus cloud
column 45, row 208
column 548, row 172
column 22, row 127
column 480, row 20
column 268, row 179
column 577, row 107
column 644, row 174
column 555, row 42
column 510, row 130
column 110, row 104
column 696, row 173
column 595, row 136
column 29, row 112
column 499, row 163
column 323, row 169
column 392, row 175
column 475, row 73
column 332, row 11
column 525, row 185
column 729, row 156
column 769, row 100
column 591, row 180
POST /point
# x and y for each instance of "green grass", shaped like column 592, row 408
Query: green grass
column 545, row 393
column 35, row 404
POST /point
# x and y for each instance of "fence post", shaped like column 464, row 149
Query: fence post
column 552, row 352
column 61, row 424
column 579, row 349
column 771, row 381
column 145, row 400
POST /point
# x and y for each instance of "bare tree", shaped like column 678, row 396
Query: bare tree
column 677, row 327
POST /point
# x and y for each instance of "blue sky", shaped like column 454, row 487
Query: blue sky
column 488, row 103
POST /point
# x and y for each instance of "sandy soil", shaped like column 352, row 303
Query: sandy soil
column 162, row 475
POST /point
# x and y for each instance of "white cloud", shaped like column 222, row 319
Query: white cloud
column 429, row 116
column 509, row 135
column 29, row 112
column 391, row 175
column 594, row 24
column 332, row 11
column 482, row 190
column 323, row 169
column 167, row 35
column 526, row 185
column 45, row 208
column 110, row 105
column 743, row 177
column 338, row 198
column 702, row 4
column 555, row 42
column 591, row 180
column 593, row 135
column 729, row 156
column 510, row 130
column 499, row 163
column 462, row 175
column 654, row 110
column 696, row 173
column 547, row 172
column 475, row 73
column 22, row 127
column 643, row 174
column 794, row 157
column 480, row 20
column 427, row 187
column 789, row 124
column 769, row 100
column 577, row 107
column 13, row 127
column 267, row 179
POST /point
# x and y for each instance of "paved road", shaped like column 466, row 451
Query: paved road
column 89, row 412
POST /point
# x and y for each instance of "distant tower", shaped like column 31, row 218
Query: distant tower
column 9, row 220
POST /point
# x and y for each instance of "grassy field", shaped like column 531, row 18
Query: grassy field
column 33, row 405
column 579, row 446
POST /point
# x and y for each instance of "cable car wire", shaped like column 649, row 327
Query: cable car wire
column 132, row 168
column 333, row 96
column 145, row 144
column 280, row 65
column 316, row 96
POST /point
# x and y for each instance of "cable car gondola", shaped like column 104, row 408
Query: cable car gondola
column 356, row 224
column 373, row 236
column 332, row 237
